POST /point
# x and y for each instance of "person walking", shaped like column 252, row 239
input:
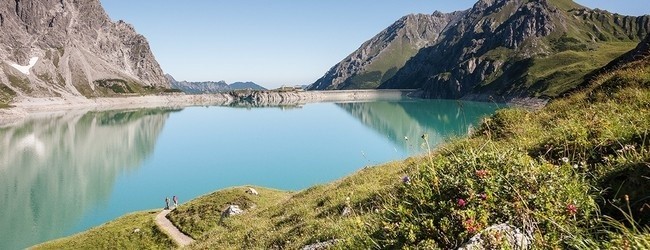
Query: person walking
column 175, row 201
column 166, row 203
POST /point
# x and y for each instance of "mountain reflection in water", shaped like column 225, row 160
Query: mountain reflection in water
column 404, row 122
column 54, row 168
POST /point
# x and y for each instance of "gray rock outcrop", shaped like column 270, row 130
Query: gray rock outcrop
column 320, row 245
column 231, row 210
column 499, row 236
column 71, row 48
column 252, row 191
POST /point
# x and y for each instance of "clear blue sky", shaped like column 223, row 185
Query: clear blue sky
column 276, row 42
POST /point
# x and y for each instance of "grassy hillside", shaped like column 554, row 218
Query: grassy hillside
column 133, row 231
column 575, row 174
column 383, row 67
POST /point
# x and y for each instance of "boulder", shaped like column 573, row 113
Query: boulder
column 320, row 245
column 499, row 236
column 231, row 210
column 252, row 191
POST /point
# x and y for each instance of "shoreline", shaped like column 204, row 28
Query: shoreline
column 24, row 107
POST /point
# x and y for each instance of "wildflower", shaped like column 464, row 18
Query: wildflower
column 571, row 209
column 482, row 173
column 565, row 159
column 406, row 179
column 483, row 196
column 471, row 226
column 462, row 203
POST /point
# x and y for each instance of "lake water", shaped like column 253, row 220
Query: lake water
column 65, row 173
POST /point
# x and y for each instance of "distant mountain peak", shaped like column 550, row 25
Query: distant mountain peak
column 209, row 87
column 380, row 57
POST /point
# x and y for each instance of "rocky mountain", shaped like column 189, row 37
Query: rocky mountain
column 246, row 85
column 210, row 86
column 71, row 48
column 520, row 48
column 379, row 58
column 201, row 87
column 516, row 48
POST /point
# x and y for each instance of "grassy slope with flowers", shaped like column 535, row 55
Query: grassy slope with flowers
column 575, row 174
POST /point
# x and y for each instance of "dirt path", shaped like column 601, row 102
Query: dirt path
column 163, row 223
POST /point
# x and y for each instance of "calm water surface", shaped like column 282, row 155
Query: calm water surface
column 66, row 173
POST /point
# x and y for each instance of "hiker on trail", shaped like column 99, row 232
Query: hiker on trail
column 166, row 203
column 175, row 201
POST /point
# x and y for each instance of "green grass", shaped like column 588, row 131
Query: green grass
column 290, row 220
column 554, row 74
column 383, row 67
column 118, row 234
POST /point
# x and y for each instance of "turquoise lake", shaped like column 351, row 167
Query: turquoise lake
column 65, row 173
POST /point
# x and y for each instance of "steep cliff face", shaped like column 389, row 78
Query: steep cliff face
column 520, row 48
column 379, row 58
column 71, row 48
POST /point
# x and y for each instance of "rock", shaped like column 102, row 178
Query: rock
column 497, row 234
column 346, row 211
column 320, row 245
column 252, row 191
column 231, row 210
column 74, row 46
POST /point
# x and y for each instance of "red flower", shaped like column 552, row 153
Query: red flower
column 471, row 226
column 482, row 173
column 462, row 203
column 571, row 209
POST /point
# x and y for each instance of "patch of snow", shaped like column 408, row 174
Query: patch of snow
column 25, row 69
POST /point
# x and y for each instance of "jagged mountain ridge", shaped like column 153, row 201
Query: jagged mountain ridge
column 210, row 86
column 246, row 85
column 500, row 47
column 520, row 48
column 71, row 48
column 379, row 58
